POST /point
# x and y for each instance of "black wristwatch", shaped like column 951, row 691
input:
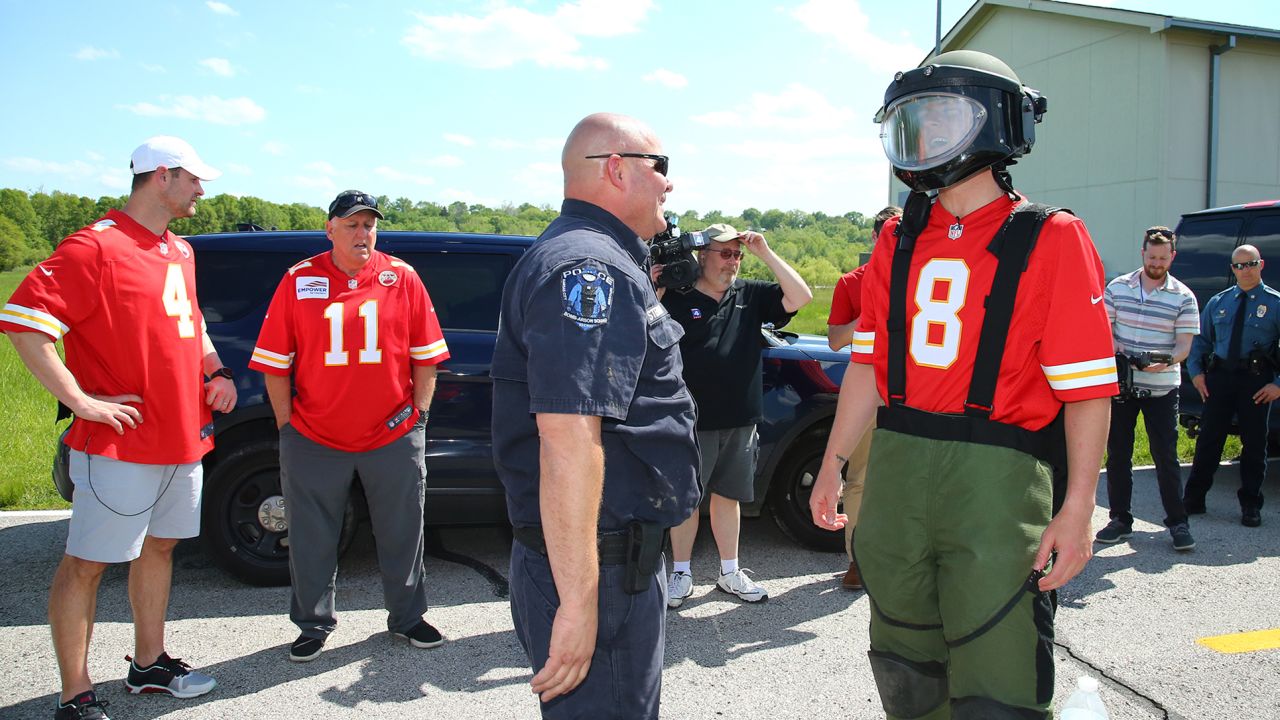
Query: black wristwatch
column 223, row 371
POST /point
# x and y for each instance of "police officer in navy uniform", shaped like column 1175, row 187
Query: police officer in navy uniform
column 1233, row 366
column 593, row 431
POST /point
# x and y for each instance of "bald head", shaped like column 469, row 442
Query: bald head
column 628, row 187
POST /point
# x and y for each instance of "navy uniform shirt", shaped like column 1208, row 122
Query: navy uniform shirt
column 582, row 332
column 1261, row 325
column 721, row 348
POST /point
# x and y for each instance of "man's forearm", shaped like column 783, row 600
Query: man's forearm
column 839, row 336
column 210, row 361
column 424, row 386
column 1087, row 423
column 795, row 292
column 38, row 353
column 1182, row 346
column 280, row 392
column 571, row 458
column 855, row 409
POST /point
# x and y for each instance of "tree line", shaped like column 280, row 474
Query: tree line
column 819, row 246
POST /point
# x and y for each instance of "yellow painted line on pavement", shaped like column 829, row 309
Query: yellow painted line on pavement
column 1243, row 642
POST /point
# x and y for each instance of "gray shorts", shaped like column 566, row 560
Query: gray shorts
column 117, row 504
column 729, row 462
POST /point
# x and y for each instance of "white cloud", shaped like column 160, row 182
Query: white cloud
column 511, row 35
column 219, row 66
column 671, row 79
column 809, row 149
column 94, row 156
column 444, row 161
column 395, row 175
column 238, row 169
column 539, row 144
column 116, row 179
column 845, row 25
column 210, row 108
column 541, row 179
column 323, row 183
column 152, row 68
column 458, row 139
column 274, row 147
column 221, row 8
column 73, row 169
column 320, row 166
column 89, row 52
column 797, row 107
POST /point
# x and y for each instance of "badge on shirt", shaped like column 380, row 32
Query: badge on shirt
column 696, row 313
column 587, row 291
column 387, row 278
column 311, row 288
column 1262, row 310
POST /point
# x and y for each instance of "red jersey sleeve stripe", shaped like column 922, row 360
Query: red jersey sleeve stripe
column 34, row 319
column 270, row 359
column 864, row 343
column 426, row 352
column 1081, row 374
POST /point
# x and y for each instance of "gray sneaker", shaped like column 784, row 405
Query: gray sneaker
column 1182, row 539
column 737, row 583
column 679, row 588
column 167, row 675
column 1114, row 532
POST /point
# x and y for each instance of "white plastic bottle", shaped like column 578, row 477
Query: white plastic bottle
column 1085, row 703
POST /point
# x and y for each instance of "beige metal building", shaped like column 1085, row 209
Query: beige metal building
column 1150, row 116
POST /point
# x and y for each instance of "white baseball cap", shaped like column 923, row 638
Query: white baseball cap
column 170, row 152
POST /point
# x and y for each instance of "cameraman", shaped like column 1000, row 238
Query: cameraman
column 1151, row 312
column 721, row 315
column 1232, row 366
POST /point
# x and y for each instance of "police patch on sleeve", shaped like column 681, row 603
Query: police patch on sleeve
column 587, row 291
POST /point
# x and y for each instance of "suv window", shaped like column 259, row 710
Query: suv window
column 465, row 287
column 230, row 284
column 1204, row 251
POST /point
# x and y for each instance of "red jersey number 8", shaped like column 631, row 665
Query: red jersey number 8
column 936, row 326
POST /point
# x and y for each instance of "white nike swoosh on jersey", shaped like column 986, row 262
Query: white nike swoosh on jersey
column 1094, row 300
column 46, row 272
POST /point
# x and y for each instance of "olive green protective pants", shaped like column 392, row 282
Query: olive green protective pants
column 945, row 543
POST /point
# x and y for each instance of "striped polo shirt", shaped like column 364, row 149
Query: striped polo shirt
column 1144, row 321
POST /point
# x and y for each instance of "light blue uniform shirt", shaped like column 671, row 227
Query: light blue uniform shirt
column 1261, row 325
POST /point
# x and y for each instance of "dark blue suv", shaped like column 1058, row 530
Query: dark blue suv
column 244, row 529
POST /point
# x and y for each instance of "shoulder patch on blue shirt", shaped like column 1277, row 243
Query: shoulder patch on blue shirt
column 587, row 291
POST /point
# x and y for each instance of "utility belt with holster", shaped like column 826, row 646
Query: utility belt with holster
column 1257, row 362
column 638, row 547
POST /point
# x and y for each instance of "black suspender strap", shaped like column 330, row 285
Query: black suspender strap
column 915, row 217
column 1013, row 244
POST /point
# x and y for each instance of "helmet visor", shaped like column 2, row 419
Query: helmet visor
column 920, row 132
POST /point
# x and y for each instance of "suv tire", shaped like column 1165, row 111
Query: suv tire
column 236, row 534
column 789, row 495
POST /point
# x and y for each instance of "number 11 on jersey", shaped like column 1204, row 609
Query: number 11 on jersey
column 370, row 353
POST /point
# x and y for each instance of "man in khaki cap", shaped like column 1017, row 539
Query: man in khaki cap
column 721, row 315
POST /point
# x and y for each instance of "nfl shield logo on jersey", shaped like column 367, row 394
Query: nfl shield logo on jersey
column 587, row 292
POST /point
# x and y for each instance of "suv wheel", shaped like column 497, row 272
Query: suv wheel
column 789, row 496
column 244, row 529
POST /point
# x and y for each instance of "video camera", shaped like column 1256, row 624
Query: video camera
column 1125, row 367
column 674, row 251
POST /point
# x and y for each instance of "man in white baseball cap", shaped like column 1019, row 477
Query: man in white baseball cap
column 137, row 484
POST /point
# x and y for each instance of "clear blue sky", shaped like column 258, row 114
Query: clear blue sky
column 760, row 104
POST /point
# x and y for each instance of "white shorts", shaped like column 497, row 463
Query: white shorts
column 117, row 504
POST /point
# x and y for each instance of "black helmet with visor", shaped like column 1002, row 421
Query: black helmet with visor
column 960, row 113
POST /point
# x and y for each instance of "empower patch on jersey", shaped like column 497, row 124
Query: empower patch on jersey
column 311, row 287
column 587, row 291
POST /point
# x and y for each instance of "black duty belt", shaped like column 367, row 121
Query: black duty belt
column 613, row 546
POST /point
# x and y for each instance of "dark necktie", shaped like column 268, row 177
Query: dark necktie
column 1237, row 329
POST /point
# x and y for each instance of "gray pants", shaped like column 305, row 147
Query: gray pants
column 316, row 480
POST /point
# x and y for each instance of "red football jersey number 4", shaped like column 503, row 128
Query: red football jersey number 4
column 176, row 302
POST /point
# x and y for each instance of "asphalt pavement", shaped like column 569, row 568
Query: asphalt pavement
column 1131, row 619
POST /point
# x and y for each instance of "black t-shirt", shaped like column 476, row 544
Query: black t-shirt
column 721, row 348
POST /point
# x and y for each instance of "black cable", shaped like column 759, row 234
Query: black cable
column 88, row 472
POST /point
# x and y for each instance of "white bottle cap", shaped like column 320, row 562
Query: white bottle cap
column 1087, row 684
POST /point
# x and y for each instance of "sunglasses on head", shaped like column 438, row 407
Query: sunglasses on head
column 728, row 254
column 660, row 162
column 346, row 201
column 1247, row 264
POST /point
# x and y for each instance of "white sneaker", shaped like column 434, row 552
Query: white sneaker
column 679, row 587
column 737, row 583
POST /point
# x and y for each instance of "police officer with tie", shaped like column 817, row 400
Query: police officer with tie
column 1233, row 366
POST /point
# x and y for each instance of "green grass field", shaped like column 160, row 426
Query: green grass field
column 27, row 413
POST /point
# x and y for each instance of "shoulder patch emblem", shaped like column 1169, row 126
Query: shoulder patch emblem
column 587, row 291
column 304, row 264
column 103, row 225
column 311, row 288
column 388, row 277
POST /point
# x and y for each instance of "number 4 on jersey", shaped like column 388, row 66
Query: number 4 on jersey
column 176, row 302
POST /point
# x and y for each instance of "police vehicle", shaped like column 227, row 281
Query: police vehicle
column 243, row 526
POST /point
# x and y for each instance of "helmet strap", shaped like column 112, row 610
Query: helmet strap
column 1004, row 180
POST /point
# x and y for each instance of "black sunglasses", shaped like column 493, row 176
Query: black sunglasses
column 1249, row 264
column 660, row 162
column 350, row 199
